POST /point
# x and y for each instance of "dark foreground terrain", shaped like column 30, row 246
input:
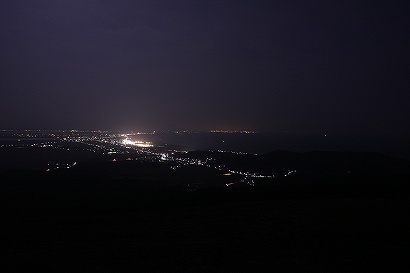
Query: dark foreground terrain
column 142, row 217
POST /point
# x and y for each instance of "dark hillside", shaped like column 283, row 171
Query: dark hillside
column 127, row 216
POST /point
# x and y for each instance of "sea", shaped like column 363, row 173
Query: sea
column 260, row 143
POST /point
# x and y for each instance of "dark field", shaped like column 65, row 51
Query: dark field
column 111, row 219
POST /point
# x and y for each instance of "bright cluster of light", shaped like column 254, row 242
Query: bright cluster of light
column 137, row 143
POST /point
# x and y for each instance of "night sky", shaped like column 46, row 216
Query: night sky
column 302, row 66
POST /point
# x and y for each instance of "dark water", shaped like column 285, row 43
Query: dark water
column 266, row 142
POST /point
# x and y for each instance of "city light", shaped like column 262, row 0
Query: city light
column 138, row 143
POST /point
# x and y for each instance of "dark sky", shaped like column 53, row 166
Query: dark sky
column 305, row 66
